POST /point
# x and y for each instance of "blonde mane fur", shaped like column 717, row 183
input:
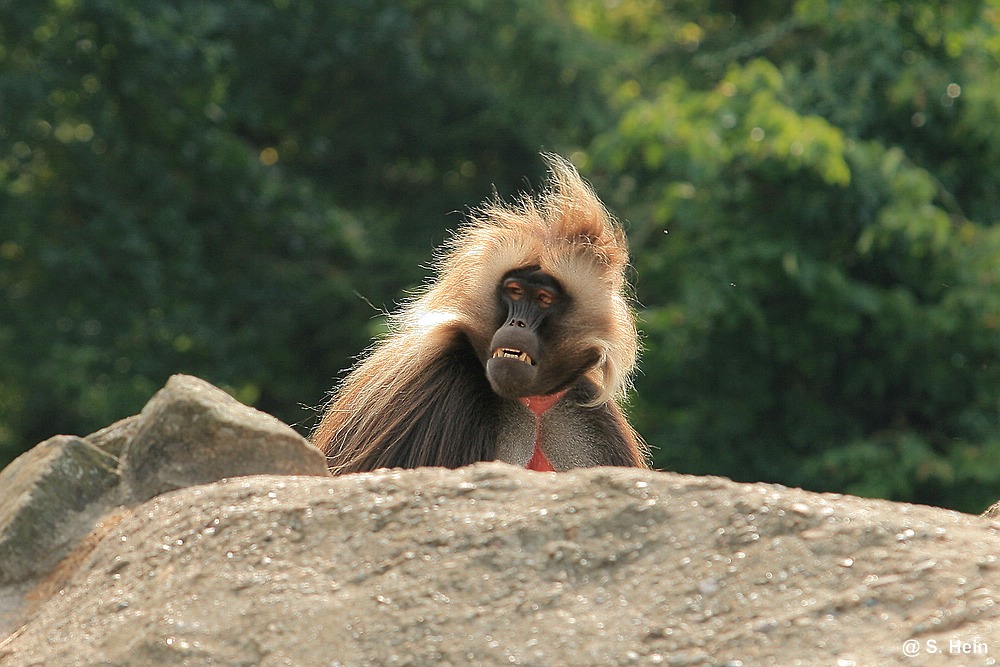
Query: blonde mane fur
column 566, row 232
column 569, row 234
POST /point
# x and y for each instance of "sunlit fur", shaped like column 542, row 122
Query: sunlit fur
column 567, row 232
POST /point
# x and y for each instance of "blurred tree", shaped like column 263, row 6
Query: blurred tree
column 820, row 305
column 220, row 188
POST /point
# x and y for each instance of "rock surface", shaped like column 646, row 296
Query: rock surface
column 193, row 433
column 50, row 498
column 495, row 565
column 54, row 496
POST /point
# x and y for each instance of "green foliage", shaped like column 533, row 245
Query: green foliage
column 820, row 308
column 221, row 188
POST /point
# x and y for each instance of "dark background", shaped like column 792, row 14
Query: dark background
column 236, row 189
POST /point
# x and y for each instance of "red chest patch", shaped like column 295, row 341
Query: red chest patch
column 538, row 405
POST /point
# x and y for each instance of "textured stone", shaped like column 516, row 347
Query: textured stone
column 51, row 496
column 192, row 433
column 115, row 438
column 495, row 565
column 993, row 511
column 488, row 565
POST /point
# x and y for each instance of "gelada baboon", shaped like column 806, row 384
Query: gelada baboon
column 520, row 350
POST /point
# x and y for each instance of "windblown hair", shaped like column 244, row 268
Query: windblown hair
column 566, row 232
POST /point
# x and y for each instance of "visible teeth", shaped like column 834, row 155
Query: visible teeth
column 511, row 353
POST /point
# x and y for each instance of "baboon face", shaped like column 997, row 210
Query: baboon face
column 531, row 294
column 526, row 357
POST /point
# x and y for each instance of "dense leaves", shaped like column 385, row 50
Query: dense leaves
column 238, row 189
column 225, row 188
column 821, row 303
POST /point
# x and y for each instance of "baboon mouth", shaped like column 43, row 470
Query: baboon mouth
column 511, row 353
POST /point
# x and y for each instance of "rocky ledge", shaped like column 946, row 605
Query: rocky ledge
column 202, row 532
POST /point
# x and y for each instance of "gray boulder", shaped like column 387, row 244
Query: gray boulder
column 154, row 542
column 494, row 565
column 194, row 433
column 50, row 497
column 68, row 488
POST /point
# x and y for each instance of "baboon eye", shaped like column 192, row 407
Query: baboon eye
column 514, row 290
column 545, row 299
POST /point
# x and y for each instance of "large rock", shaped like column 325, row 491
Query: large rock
column 189, row 433
column 495, row 565
column 124, row 548
column 69, row 488
column 193, row 433
column 50, row 497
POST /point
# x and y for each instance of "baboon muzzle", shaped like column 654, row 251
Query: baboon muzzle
column 516, row 352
